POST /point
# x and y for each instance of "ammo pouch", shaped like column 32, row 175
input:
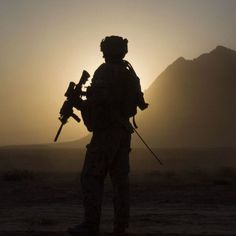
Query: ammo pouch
column 87, row 116
column 95, row 117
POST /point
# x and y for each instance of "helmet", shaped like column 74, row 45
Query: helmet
column 114, row 47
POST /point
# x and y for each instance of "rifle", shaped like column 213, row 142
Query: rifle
column 73, row 99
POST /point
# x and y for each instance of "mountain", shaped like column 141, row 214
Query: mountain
column 193, row 103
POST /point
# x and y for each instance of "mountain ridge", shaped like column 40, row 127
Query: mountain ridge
column 193, row 102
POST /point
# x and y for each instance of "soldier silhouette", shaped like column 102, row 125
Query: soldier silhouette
column 113, row 98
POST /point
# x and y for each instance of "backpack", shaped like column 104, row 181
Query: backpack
column 134, row 96
column 115, row 92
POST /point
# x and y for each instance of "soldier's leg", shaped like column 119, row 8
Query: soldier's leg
column 119, row 172
column 92, row 181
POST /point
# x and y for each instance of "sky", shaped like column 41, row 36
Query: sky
column 48, row 43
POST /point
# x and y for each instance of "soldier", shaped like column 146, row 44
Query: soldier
column 112, row 99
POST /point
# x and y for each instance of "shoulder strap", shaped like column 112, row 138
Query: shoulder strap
column 129, row 67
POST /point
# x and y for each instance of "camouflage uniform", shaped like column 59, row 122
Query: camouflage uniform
column 112, row 99
column 108, row 151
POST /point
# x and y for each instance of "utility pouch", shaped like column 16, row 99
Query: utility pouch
column 86, row 114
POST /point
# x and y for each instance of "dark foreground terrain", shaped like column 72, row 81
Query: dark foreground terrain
column 194, row 193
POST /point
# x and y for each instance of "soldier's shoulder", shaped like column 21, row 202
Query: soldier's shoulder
column 109, row 70
column 102, row 68
column 111, row 66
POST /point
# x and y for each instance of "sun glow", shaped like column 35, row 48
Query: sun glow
column 47, row 44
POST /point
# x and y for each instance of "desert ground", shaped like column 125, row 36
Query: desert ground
column 194, row 193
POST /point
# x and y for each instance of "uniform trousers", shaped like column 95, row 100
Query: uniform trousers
column 107, row 153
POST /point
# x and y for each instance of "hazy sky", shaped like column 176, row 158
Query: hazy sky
column 44, row 44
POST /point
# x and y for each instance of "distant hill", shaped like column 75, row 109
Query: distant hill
column 193, row 103
column 80, row 144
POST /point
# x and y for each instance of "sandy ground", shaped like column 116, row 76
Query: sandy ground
column 167, row 203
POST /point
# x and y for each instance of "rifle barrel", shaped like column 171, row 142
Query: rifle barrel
column 58, row 132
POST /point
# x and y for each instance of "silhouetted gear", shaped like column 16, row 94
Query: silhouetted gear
column 114, row 47
column 107, row 153
column 114, row 89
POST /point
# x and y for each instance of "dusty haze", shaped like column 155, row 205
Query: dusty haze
column 46, row 44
